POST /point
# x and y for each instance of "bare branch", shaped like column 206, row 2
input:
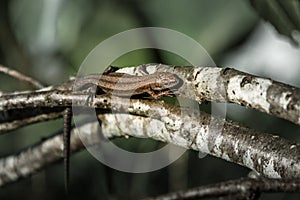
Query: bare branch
column 36, row 84
column 215, row 85
column 232, row 86
column 245, row 188
column 35, row 158
column 269, row 155
column 18, row 123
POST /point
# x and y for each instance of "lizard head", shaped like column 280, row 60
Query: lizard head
column 166, row 80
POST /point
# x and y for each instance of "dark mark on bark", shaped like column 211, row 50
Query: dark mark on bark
column 246, row 80
column 226, row 70
column 198, row 72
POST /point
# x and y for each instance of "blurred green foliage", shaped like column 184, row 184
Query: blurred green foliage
column 284, row 16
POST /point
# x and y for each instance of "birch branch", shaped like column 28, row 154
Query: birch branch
column 217, row 85
column 36, row 157
column 232, row 86
column 269, row 155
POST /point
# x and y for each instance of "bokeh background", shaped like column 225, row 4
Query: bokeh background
column 49, row 39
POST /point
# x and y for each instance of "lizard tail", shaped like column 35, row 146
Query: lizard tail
column 66, row 150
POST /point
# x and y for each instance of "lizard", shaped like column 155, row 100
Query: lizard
column 122, row 85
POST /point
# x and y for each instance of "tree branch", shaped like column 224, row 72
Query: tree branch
column 233, row 86
column 21, row 122
column 20, row 76
column 209, row 84
column 245, row 188
column 269, row 155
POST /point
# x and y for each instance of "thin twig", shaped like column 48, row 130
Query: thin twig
column 243, row 187
column 36, row 84
column 5, row 127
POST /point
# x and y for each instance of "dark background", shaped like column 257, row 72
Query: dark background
column 49, row 40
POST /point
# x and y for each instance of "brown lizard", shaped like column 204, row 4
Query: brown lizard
column 123, row 85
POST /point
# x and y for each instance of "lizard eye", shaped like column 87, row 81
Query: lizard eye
column 166, row 81
column 158, row 85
